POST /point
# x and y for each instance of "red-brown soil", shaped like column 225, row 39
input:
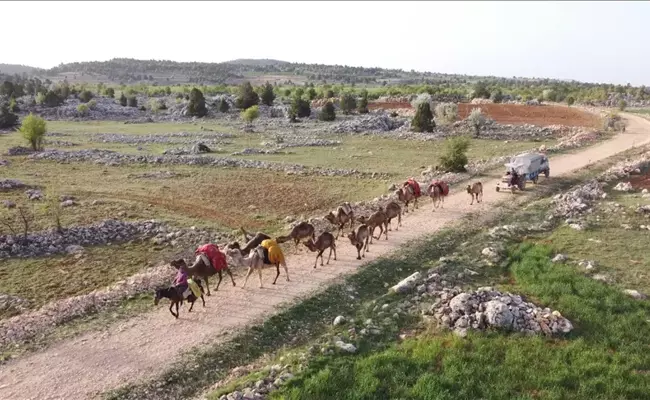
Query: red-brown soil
column 515, row 114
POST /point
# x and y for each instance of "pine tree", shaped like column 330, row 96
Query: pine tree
column 267, row 94
column 327, row 113
column 247, row 96
column 423, row 119
column 196, row 106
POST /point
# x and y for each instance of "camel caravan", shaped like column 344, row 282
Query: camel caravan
column 262, row 251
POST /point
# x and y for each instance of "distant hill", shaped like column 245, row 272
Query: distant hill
column 11, row 69
column 257, row 62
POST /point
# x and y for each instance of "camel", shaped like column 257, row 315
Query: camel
column 377, row 219
column 255, row 261
column 407, row 194
column 176, row 298
column 202, row 270
column 253, row 242
column 393, row 210
column 437, row 198
column 301, row 231
column 343, row 214
column 475, row 190
column 325, row 240
column 358, row 237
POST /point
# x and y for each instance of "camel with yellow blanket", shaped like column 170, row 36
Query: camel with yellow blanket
column 266, row 254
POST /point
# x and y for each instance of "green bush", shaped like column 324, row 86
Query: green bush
column 123, row 100
column 85, row 96
column 33, row 130
column 423, row 119
column 196, row 106
column 497, row 96
column 110, row 92
column 247, row 96
column 156, row 105
column 347, row 103
column 329, row 93
column 570, row 100
column 327, row 113
column 300, row 107
column 622, row 104
column 92, row 104
column 267, row 94
column 82, row 110
column 480, row 91
column 362, row 107
column 7, row 118
column 454, row 157
column 49, row 99
column 447, row 112
column 476, row 119
column 311, row 93
column 132, row 101
column 250, row 114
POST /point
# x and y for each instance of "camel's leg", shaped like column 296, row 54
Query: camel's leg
column 320, row 253
column 385, row 230
column 381, row 231
column 359, row 247
column 171, row 305
column 220, row 278
column 472, row 194
column 191, row 306
column 329, row 256
column 203, row 300
column 207, row 285
column 366, row 249
column 399, row 220
column 259, row 271
column 286, row 271
column 334, row 248
column 232, row 278
column 277, row 268
column 250, row 271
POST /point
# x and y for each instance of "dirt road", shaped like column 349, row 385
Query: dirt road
column 141, row 347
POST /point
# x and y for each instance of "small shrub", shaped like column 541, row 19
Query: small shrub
column 287, row 92
column 480, row 91
column 362, row 108
column 300, row 107
column 132, row 101
column 348, row 103
column 454, row 157
column 250, row 114
column 447, row 112
column 267, row 94
column 49, row 99
column 327, row 113
column 123, row 100
column 196, row 106
column 92, row 104
column 82, row 110
column 33, row 130
column 40, row 98
column 422, row 98
column 156, row 105
column 7, row 118
column 476, row 120
column 85, row 96
column 247, row 97
column 168, row 90
column 311, row 93
column 423, row 118
column 622, row 104
column 497, row 96
column 570, row 100
column 110, row 92
column 329, row 93
column 13, row 106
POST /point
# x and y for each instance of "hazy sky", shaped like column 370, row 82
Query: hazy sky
column 587, row 41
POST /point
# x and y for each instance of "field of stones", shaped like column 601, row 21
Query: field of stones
column 91, row 221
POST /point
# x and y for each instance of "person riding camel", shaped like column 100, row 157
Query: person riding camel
column 272, row 252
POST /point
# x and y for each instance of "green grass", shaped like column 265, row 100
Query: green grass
column 41, row 280
column 619, row 253
column 605, row 358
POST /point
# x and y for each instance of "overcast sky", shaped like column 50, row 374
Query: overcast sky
column 588, row 41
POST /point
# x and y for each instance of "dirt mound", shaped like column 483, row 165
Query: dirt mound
column 536, row 115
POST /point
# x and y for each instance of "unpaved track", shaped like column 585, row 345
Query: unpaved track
column 143, row 346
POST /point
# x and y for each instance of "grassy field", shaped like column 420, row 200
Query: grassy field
column 601, row 360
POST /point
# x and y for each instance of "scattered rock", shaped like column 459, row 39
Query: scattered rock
column 347, row 347
column 407, row 284
column 8, row 204
column 624, row 187
column 340, row 320
column 68, row 203
column 559, row 258
column 635, row 294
